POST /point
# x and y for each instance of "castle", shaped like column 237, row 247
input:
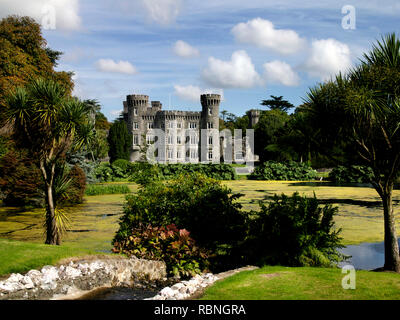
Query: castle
column 185, row 141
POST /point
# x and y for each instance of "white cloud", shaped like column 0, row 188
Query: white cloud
column 64, row 13
column 263, row 34
column 327, row 57
column 185, row 50
column 109, row 65
column 116, row 113
column 280, row 72
column 239, row 72
column 192, row 93
column 162, row 11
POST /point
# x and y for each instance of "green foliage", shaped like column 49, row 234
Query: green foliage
column 76, row 190
column 21, row 182
column 277, row 103
column 119, row 141
column 289, row 171
column 144, row 172
column 168, row 243
column 293, row 231
column 194, row 202
column 357, row 174
column 99, row 189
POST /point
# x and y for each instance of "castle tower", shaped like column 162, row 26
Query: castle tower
column 254, row 117
column 209, row 143
column 210, row 111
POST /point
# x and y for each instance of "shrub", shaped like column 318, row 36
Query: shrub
column 356, row 174
column 293, row 231
column 98, row 189
column 194, row 202
column 20, row 180
column 76, row 191
column 215, row 171
column 168, row 243
column 289, row 171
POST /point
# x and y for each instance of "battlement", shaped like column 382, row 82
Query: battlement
column 210, row 99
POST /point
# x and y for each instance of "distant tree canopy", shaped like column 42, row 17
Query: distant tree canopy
column 24, row 55
column 119, row 141
column 277, row 103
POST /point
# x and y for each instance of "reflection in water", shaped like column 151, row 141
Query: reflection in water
column 365, row 256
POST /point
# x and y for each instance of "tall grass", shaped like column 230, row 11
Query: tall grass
column 100, row 189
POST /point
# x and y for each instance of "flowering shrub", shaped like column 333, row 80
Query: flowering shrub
column 172, row 245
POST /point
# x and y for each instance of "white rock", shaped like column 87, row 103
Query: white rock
column 167, row 291
column 72, row 273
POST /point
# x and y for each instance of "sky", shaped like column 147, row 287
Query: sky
column 175, row 50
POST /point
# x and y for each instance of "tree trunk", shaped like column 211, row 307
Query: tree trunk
column 392, row 258
column 52, row 234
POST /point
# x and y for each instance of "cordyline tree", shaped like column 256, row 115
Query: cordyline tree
column 361, row 110
column 47, row 122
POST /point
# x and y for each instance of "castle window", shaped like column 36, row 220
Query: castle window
column 149, row 139
column 170, row 154
column 150, row 125
column 136, row 139
column 178, row 140
column 135, row 125
column 209, row 125
column 193, row 154
column 210, row 155
column 135, row 111
column 170, row 125
column 209, row 111
column 193, row 139
column 178, row 154
column 192, row 125
column 210, row 140
column 170, row 140
column 179, row 125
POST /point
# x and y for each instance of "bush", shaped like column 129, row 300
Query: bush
column 293, row 231
column 289, row 171
column 21, row 182
column 215, row 171
column 193, row 202
column 98, row 189
column 355, row 174
column 168, row 243
column 76, row 191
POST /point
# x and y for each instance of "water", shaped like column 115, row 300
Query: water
column 119, row 293
column 365, row 256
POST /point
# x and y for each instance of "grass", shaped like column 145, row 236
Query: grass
column 100, row 189
column 285, row 283
column 20, row 256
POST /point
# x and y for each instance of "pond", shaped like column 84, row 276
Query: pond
column 365, row 256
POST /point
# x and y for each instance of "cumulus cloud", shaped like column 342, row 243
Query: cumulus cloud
column 280, row 72
column 192, row 93
column 162, row 11
column 109, row 65
column 239, row 72
column 185, row 50
column 262, row 33
column 64, row 14
column 327, row 57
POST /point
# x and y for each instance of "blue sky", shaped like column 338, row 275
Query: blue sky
column 173, row 50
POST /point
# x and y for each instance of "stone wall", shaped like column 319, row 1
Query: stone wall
column 77, row 278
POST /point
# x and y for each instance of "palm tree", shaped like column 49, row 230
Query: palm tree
column 48, row 123
column 362, row 108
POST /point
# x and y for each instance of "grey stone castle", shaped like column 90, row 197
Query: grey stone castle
column 185, row 139
column 182, row 128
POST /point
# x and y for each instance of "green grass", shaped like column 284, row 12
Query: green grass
column 100, row 189
column 284, row 283
column 21, row 256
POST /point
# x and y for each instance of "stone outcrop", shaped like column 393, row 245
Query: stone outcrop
column 80, row 277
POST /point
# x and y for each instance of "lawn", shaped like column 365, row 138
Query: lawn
column 284, row 283
column 21, row 256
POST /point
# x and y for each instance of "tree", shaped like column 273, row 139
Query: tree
column 24, row 55
column 119, row 141
column 47, row 123
column 363, row 109
column 266, row 133
column 277, row 103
